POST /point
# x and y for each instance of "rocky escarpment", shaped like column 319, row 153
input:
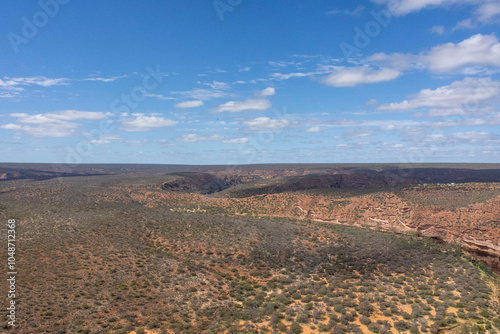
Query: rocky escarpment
column 476, row 227
column 465, row 214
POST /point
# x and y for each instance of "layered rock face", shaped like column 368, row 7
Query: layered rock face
column 475, row 227
column 465, row 214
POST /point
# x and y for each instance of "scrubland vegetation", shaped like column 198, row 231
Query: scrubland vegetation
column 120, row 265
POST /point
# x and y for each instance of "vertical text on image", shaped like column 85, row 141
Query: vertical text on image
column 11, row 272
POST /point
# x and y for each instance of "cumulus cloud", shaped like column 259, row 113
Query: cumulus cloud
column 350, row 77
column 486, row 11
column 141, row 122
column 248, row 104
column 470, row 92
column 473, row 55
column 189, row 104
column 53, row 124
column 269, row 91
column 478, row 50
column 260, row 123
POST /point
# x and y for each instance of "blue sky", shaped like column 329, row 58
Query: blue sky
column 240, row 81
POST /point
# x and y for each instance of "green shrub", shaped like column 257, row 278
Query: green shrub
column 295, row 328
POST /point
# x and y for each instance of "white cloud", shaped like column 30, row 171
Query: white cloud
column 490, row 120
column 465, row 24
column 11, row 126
column 354, row 12
column 269, row 91
column 474, row 122
column 8, row 94
column 266, row 123
column 99, row 141
column 159, row 96
column 440, row 112
column 358, row 132
column 314, row 129
column 403, row 7
column 203, row 94
column 350, row 77
column 463, row 138
column 217, row 85
column 248, row 104
column 486, row 10
column 109, row 79
column 397, row 61
column 11, row 87
column 235, row 141
column 189, row 104
column 476, row 50
column 54, row 124
column 38, row 80
column 471, row 56
column 244, row 69
column 434, row 137
column 474, row 135
column 281, row 76
column 104, row 139
column 371, row 102
column 196, row 138
column 70, row 115
column 54, row 129
column 141, row 122
column 281, row 64
column 470, row 92
column 66, row 115
column 439, row 30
